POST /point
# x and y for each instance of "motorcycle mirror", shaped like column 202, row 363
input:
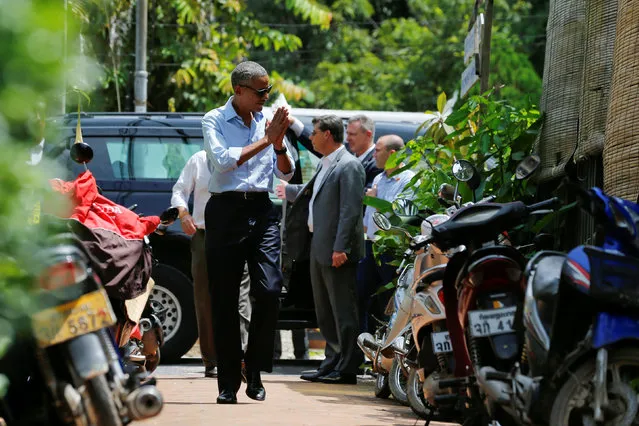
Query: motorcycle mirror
column 404, row 207
column 169, row 216
column 81, row 153
column 381, row 221
column 527, row 167
column 463, row 170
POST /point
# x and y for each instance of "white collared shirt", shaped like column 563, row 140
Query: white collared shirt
column 326, row 163
column 361, row 157
column 388, row 188
column 37, row 152
column 194, row 179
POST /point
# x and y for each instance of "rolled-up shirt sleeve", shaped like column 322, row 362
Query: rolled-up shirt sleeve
column 223, row 159
column 278, row 172
column 184, row 186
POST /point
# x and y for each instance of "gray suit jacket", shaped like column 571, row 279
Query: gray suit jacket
column 337, row 213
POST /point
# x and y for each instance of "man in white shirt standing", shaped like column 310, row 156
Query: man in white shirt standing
column 370, row 275
column 194, row 179
column 360, row 133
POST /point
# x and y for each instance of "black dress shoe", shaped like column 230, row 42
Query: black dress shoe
column 336, row 377
column 227, row 397
column 254, row 388
column 312, row 376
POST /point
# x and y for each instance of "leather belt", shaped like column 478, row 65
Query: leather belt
column 237, row 195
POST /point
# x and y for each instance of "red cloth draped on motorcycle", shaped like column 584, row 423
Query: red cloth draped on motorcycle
column 112, row 235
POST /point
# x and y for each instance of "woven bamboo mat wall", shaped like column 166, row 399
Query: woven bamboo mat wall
column 601, row 24
column 621, row 149
column 562, row 84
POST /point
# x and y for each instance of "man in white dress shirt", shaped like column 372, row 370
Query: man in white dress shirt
column 371, row 275
column 194, row 179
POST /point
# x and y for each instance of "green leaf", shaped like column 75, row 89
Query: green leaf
column 441, row 102
column 518, row 156
column 457, row 117
column 382, row 206
column 485, row 143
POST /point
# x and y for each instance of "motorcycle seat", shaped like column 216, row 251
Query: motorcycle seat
column 546, row 269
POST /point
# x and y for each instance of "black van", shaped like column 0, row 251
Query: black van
column 137, row 160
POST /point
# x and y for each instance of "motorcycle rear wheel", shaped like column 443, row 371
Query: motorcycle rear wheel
column 579, row 384
column 413, row 391
column 102, row 401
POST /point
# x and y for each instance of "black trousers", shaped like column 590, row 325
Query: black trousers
column 240, row 230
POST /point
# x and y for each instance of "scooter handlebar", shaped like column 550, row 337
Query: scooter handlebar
column 547, row 204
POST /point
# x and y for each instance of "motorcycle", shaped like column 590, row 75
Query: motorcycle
column 580, row 321
column 392, row 341
column 70, row 366
column 482, row 290
column 71, row 372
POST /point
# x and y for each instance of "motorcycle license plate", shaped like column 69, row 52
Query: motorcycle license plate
column 491, row 322
column 89, row 313
column 441, row 342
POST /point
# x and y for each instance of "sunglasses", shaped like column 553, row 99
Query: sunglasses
column 260, row 92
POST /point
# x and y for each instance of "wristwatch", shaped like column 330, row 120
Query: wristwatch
column 280, row 151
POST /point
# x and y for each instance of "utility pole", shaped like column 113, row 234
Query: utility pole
column 141, row 75
column 484, row 72
column 64, row 58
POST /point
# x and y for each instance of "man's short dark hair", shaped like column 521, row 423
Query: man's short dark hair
column 333, row 124
column 245, row 72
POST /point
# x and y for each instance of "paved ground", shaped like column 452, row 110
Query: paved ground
column 190, row 400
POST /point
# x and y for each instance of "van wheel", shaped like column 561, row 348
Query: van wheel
column 174, row 291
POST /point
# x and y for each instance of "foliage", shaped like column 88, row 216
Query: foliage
column 492, row 134
column 32, row 72
column 193, row 45
column 382, row 55
column 364, row 54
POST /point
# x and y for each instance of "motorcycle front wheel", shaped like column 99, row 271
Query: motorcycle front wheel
column 382, row 390
column 573, row 405
column 101, row 398
column 397, row 382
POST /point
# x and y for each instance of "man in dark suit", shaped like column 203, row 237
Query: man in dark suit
column 328, row 209
column 359, row 135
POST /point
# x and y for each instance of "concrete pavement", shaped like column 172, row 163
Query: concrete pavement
column 190, row 400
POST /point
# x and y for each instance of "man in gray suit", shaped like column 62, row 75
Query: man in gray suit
column 328, row 210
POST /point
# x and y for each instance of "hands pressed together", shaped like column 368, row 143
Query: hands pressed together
column 276, row 128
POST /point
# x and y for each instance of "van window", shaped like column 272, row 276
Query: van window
column 161, row 158
column 308, row 163
column 141, row 157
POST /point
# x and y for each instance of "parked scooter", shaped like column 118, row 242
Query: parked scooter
column 71, row 372
column 481, row 292
column 392, row 341
column 581, row 333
